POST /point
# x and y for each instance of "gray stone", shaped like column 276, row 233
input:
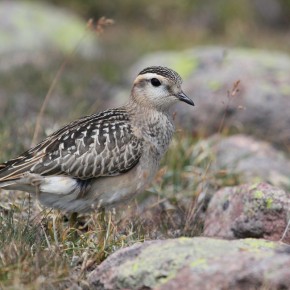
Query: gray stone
column 195, row 263
column 27, row 30
column 249, row 159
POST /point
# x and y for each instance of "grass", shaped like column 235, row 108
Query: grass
column 44, row 252
column 39, row 249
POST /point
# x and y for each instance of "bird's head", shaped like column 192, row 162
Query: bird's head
column 158, row 87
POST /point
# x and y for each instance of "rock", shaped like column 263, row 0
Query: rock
column 259, row 211
column 260, row 108
column 195, row 263
column 234, row 160
column 29, row 30
column 249, row 159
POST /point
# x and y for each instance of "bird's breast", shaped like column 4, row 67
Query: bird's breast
column 159, row 137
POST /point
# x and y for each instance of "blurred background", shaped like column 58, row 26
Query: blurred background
column 208, row 38
column 143, row 26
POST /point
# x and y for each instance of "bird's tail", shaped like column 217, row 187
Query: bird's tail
column 6, row 183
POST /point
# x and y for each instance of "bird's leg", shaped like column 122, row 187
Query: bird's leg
column 37, row 192
column 103, row 228
column 35, row 180
column 73, row 225
column 73, row 219
column 105, row 222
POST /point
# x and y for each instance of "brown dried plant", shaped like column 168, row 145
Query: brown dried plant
column 98, row 28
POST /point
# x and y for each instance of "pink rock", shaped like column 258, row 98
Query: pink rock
column 259, row 211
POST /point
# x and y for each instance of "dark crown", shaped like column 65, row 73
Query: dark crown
column 163, row 71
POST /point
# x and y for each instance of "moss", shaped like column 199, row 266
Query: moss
column 254, row 186
column 198, row 263
column 214, row 85
column 258, row 194
column 159, row 262
column 135, row 267
column 269, row 203
column 257, row 245
column 285, row 89
column 257, row 179
column 185, row 65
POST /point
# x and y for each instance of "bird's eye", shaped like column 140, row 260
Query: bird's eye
column 155, row 82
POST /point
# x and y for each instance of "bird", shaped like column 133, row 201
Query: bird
column 104, row 159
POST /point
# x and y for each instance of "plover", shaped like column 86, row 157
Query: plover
column 104, row 159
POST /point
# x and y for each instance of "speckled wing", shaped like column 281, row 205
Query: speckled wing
column 98, row 145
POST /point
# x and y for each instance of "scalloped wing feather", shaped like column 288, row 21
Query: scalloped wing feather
column 98, row 145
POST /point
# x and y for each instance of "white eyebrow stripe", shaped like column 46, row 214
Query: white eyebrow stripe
column 148, row 76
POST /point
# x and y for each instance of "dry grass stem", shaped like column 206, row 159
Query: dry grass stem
column 91, row 26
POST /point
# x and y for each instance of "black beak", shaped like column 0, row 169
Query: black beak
column 184, row 98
